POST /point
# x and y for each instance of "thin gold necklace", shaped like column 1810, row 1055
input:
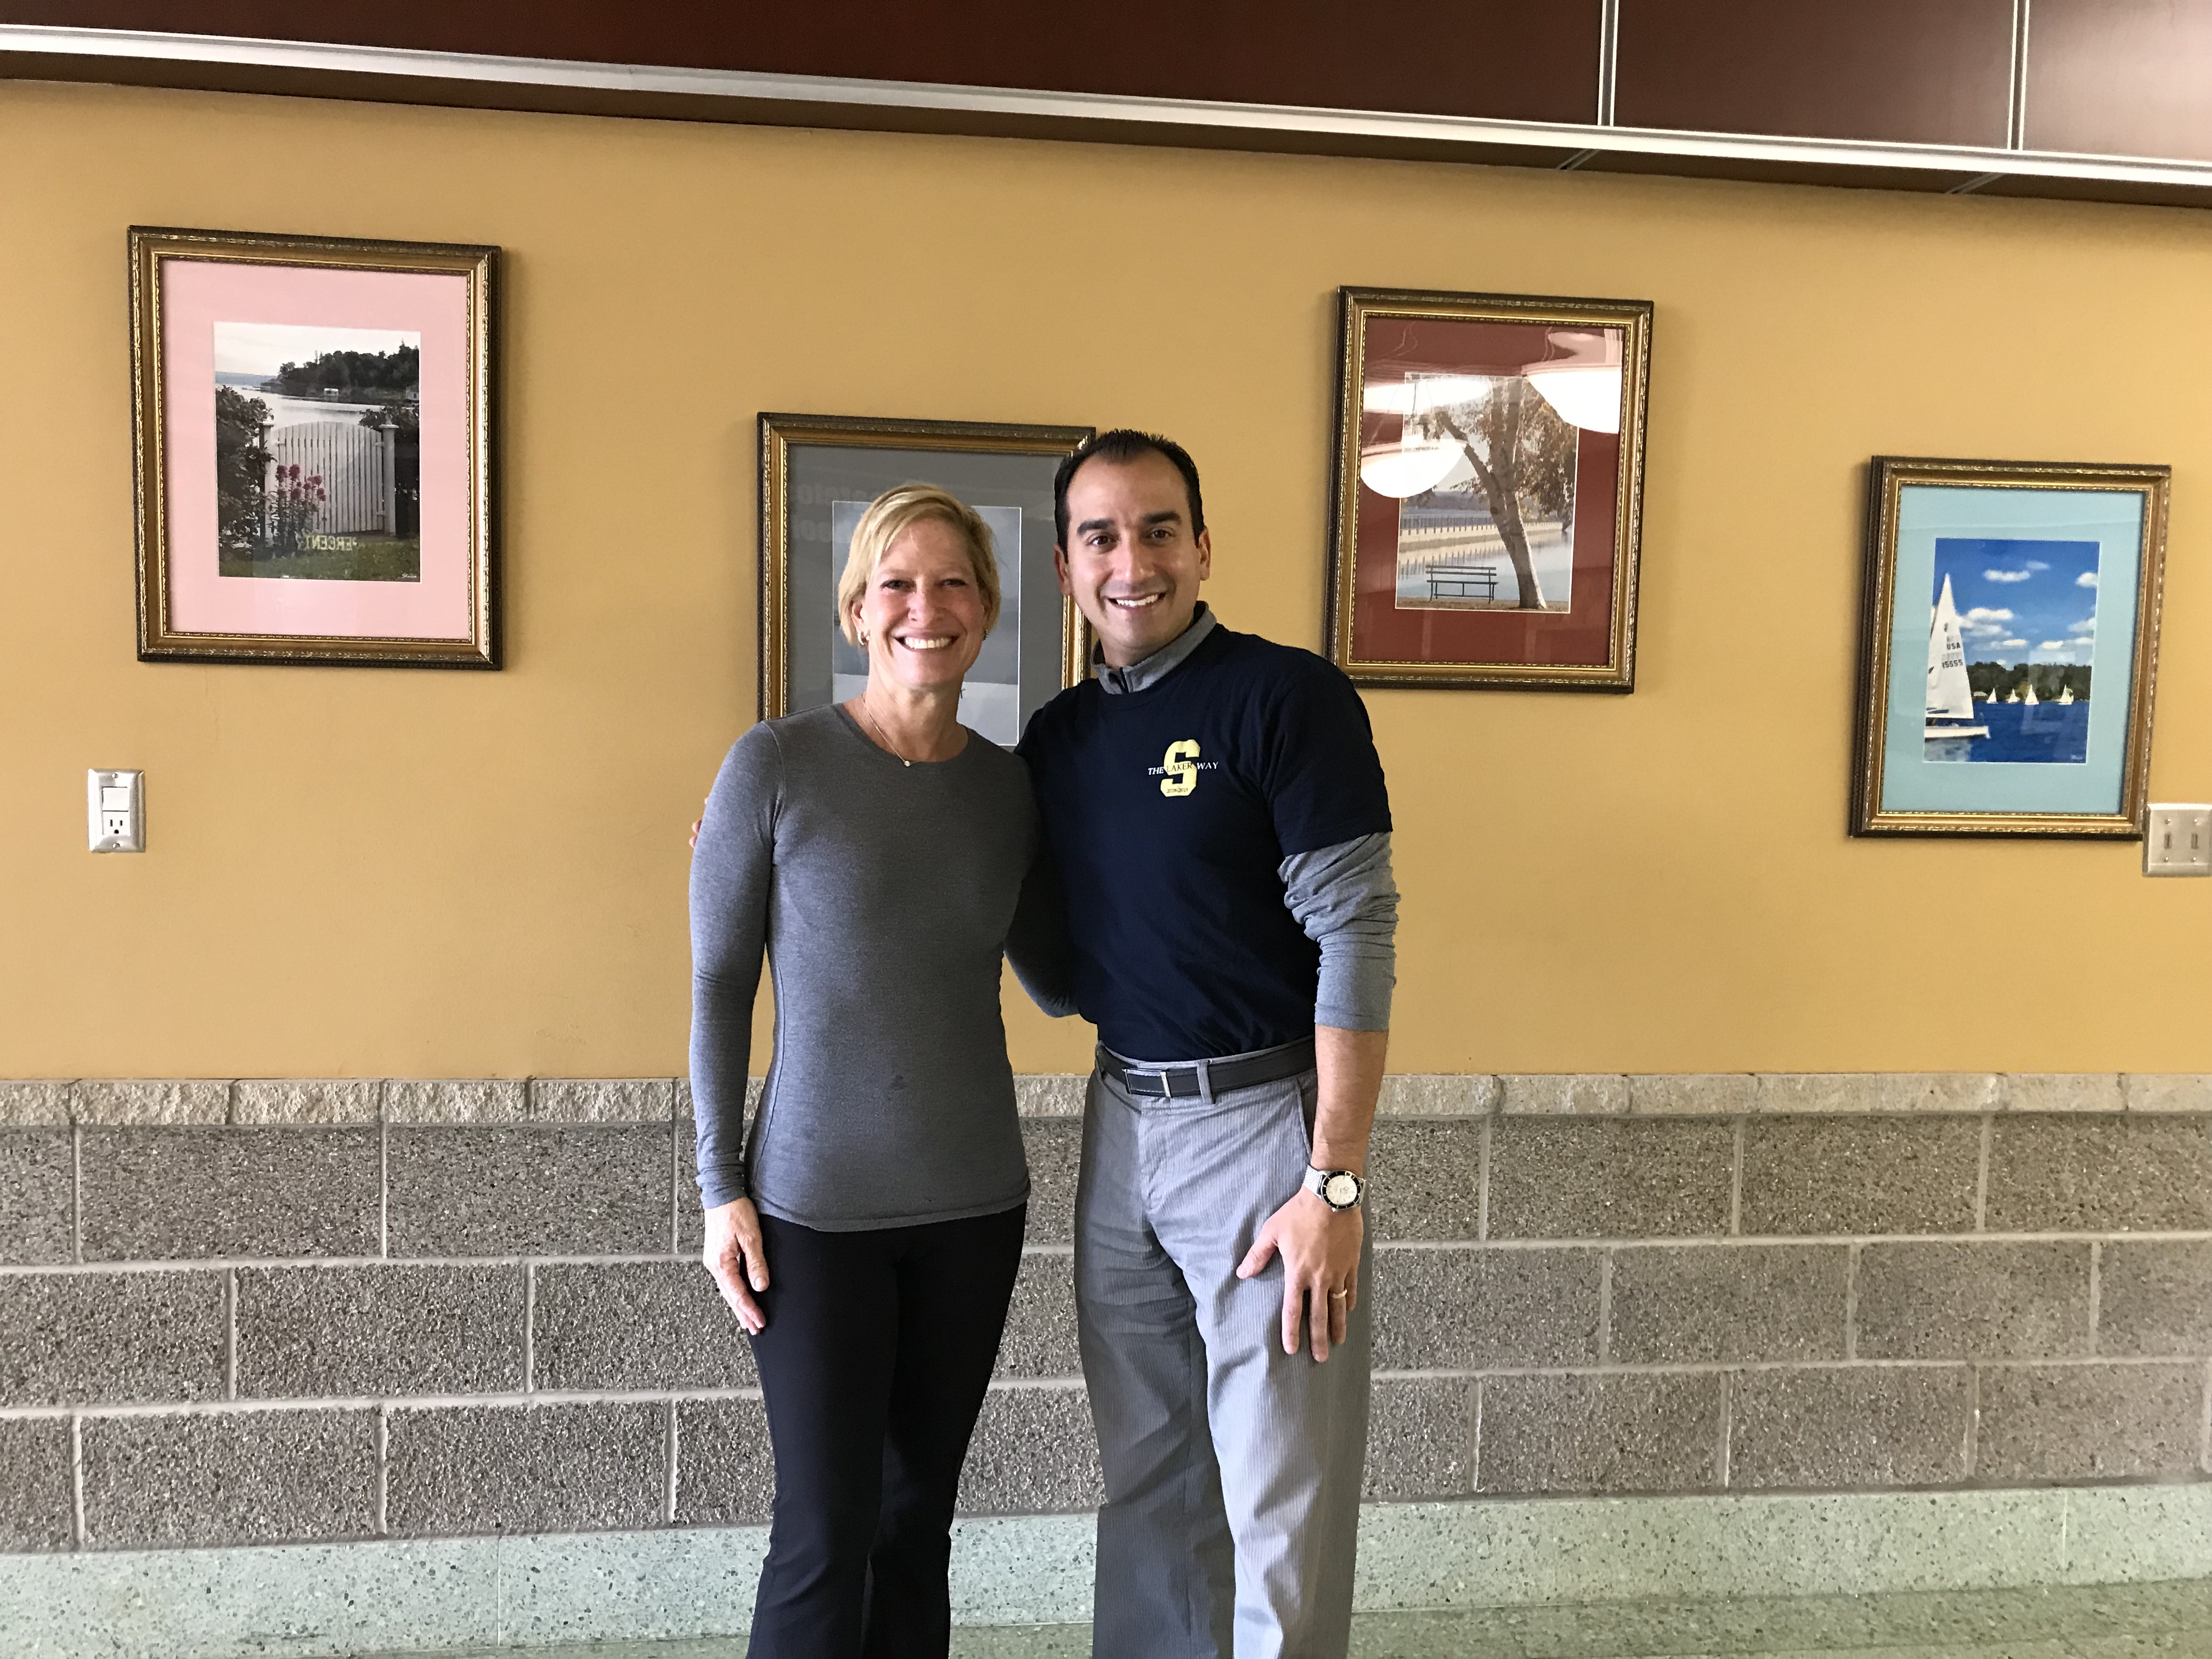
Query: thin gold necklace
column 880, row 738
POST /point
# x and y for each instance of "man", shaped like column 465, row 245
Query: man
column 1217, row 812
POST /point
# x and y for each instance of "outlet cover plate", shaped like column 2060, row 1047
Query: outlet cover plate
column 115, row 811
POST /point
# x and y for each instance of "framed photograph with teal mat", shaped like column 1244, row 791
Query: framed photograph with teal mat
column 2009, row 639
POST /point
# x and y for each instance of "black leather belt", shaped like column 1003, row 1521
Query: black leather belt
column 1205, row 1079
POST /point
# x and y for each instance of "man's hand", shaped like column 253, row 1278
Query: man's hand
column 1320, row 1248
column 695, row 823
column 733, row 1255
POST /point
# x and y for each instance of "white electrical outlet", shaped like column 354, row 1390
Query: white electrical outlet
column 2180, row 842
column 115, row 811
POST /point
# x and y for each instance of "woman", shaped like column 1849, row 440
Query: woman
column 867, row 1234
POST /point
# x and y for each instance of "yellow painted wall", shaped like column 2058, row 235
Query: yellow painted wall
column 421, row 873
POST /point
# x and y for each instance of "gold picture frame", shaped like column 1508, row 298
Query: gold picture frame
column 1000, row 469
column 1470, row 571
column 375, row 544
column 2007, row 726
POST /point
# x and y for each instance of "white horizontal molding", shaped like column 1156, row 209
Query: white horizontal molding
column 756, row 95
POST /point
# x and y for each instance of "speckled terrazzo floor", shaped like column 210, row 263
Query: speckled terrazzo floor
column 2138, row 1621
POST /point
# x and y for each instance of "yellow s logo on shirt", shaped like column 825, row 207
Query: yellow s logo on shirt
column 1181, row 776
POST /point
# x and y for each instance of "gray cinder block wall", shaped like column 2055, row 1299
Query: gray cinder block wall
column 253, row 1311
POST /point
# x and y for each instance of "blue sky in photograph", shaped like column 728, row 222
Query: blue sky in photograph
column 2021, row 601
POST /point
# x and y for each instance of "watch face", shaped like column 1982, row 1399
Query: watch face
column 1341, row 1190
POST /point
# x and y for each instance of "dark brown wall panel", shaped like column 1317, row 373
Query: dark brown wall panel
column 1911, row 71
column 2121, row 77
column 1518, row 59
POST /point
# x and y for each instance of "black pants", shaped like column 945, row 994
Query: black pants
column 878, row 1350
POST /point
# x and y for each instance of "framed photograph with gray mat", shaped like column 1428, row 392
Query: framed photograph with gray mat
column 818, row 473
column 313, row 441
column 2008, row 643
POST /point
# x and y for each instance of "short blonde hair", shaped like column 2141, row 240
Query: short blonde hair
column 890, row 516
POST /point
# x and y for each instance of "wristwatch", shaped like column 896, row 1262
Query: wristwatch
column 1338, row 1188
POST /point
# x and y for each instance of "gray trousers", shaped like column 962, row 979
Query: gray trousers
column 1233, row 1468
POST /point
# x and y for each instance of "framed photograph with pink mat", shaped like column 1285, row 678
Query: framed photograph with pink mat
column 314, row 448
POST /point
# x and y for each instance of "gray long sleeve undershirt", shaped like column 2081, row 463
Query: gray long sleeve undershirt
column 1344, row 897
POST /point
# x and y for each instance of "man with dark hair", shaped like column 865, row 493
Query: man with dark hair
column 1217, row 812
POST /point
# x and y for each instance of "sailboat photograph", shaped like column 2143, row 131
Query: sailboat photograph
column 1951, row 727
column 2012, row 642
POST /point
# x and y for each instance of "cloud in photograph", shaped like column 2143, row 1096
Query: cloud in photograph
column 2017, row 601
column 2087, row 578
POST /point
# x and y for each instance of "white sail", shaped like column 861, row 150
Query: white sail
column 1950, row 694
column 2066, row 695
column 2031, row 699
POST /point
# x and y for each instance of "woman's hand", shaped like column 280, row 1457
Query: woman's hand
column 733, row 1255
column 695, row 823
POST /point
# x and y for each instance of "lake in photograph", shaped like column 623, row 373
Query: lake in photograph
column 2043, row 732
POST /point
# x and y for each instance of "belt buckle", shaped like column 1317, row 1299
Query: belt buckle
column 1131, row 1073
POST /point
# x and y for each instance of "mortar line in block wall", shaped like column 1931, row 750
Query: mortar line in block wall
column 2096, row 1291
column 400, row 1403
column 384, row 1472
column 1735, row 1179
column 1605, row 1308
column 674, row 1188
column 1981, row 1173
column 1723, row 1452
column 264, row 1263
column 76, row 1192
column 77, row 1532
column 230, row 1335
column 661, row 1259
column 1851, row 1302
column 1482, row 1179
column 383, row 1185
column 1974, row 1419
column 1475, row 1469
column 668, row 1512
column 529, row 1327
column 1949, row 1362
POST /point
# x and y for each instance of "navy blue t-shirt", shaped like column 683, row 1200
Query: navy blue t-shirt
column 1168, row 809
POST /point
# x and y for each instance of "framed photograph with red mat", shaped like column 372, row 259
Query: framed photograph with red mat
column 1488, row 490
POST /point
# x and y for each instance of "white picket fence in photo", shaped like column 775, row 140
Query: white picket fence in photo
column 355, row 467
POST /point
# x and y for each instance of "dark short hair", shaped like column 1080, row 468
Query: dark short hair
column 1121, row 445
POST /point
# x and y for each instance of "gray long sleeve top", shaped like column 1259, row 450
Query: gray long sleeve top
column 883, row 895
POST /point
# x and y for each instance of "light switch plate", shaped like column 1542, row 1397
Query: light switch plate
column 2180, row 840
column 115, row 811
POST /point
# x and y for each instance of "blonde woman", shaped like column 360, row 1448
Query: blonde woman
column 868, row 1232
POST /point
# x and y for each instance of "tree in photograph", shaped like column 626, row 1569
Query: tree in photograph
column 351, row 376
column 241, row 465
column 1522, row 451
